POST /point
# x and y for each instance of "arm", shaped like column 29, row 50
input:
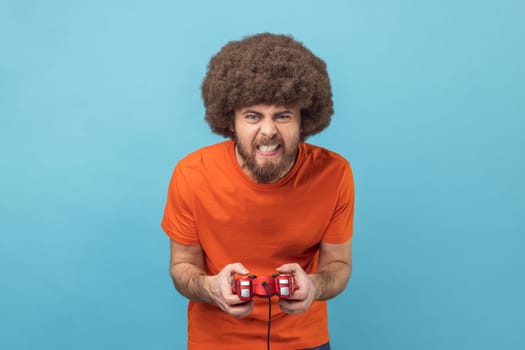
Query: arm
column 192, row 281
column 335, row 268
column 187, row 271
column 331, row 278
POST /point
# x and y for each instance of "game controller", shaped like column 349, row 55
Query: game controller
column 264, row 286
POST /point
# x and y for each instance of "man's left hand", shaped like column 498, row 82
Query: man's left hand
column 304, row 294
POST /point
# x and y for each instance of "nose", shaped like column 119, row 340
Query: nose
column 268, row 128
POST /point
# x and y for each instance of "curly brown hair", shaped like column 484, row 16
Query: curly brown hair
column 269, row 69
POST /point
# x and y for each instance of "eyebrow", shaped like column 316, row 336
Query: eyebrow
column 249, row 111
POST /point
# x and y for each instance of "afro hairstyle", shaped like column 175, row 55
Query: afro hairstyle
column 270, row 69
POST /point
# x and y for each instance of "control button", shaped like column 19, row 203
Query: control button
column 285, row 291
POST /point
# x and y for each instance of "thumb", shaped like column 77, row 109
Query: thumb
column 287, row 268
column 238, row 268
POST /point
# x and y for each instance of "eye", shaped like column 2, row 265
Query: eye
column 283, row 117
column 251, row 117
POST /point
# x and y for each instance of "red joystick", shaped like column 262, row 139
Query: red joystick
column 281, row 285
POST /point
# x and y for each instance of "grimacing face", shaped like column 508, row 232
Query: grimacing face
column 267, row 139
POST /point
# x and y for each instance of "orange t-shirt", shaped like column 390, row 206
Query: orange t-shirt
column 213, row 203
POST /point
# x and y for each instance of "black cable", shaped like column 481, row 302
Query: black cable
column 265, row 285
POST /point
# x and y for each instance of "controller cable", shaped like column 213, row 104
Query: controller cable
column 265, row 285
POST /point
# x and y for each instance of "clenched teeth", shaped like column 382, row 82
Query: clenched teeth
column 267, row 148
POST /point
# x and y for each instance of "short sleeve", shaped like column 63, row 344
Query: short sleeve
column 340, row 228
column 178, row 221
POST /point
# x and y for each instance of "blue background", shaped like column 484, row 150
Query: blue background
column 100, row 99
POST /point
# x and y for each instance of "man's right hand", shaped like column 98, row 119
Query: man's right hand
column 220, row 289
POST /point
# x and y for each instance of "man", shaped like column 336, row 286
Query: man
column 263, row 202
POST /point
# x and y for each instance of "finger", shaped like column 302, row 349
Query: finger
column 293, row 306
column 297, row 295
column 237, row 268
column 233, row 299
column 241, row 310
column 291, row 268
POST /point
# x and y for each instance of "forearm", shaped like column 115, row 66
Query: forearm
column 331, row 279
column 191, row 281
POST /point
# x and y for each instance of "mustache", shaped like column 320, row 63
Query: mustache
column 268, row 141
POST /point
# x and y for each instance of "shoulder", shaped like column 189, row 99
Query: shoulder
column 323, row 167
column 208, row 161
column 320, row 157
column 205, row 157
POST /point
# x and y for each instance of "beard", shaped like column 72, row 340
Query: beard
column 270, row 170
